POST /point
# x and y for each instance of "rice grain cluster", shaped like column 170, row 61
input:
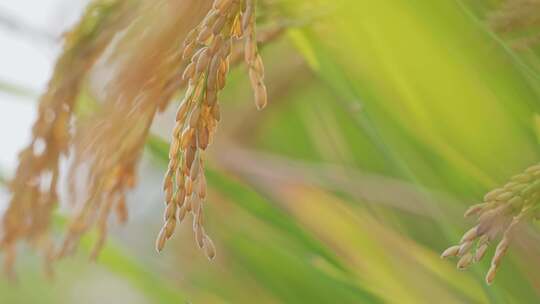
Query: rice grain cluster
column 208, row 48
column 34, row 186
column 501, row 212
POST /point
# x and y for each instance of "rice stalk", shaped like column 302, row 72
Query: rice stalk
column 500, row 214
column 208, row 48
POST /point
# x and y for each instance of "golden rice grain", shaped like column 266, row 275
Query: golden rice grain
column 465, row 261
column 451, row 251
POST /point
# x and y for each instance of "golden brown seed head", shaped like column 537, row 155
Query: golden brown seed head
column 204, row 35
column 492, row 195
column 470, row 235
column 209, row 248
column 189, row 72
column 189, row 50
column 199, row 236
column 490, row 276
column 203, row 61
column 261, row 98
column 181, row 214
column 464, row 248
column 161, row 239
column 203, row 137
column 480, row 252
column 450, row 252
column 465, row 261
column 475, row 209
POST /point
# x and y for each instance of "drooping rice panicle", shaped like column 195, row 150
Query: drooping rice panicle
column 208, row 48
column 34, row 187
column 501, row 212
column 111, row 140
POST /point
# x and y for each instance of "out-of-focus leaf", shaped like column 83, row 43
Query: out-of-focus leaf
column 291, row 279
column 304, row 281
column 449, row 106
column 134, row 272
column 252, row 202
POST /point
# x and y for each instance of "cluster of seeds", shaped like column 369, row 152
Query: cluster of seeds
column 34, row 186
column 208, row 47
column 107, row 194
column 501, row 212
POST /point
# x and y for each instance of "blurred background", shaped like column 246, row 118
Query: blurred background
column 386, row 120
